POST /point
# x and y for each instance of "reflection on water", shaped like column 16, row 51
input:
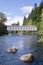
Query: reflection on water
column 20, row 44
column 25, row 44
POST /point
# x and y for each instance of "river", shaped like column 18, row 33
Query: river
column 25, row 44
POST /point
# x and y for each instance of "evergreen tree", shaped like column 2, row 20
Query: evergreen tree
column 24, row 21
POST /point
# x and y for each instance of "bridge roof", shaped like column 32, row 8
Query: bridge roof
column 20, row 26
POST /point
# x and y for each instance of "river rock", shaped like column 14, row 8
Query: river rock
column 12, row 50
column 27, row 58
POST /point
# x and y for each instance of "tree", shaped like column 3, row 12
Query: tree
column 35, row 5
column 24, row 21
column 40, row 7
column 3, row 28
column 14, row 24
column 41, row 22
column 17, row 23
column 2, row 18
column 41, row 27
column 30, row 22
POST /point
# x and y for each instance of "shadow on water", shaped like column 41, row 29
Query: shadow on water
column 25, row 44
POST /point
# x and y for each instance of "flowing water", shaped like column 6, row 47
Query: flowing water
column 25, row 44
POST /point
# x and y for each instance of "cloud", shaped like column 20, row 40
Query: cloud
column 18, row 18
column 8, row 21
column 8, row 18
column 14, row 20
column 6, row 13
column 27, row 15
column 27, row 9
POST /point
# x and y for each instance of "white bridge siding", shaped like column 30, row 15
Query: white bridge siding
column 23, row 28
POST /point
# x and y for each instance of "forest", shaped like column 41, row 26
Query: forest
column 36, row 18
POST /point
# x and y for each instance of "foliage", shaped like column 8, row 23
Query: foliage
column 2, row 18
column 41, row 22
column 3, row 28
column 13, row 24
column 24, row 21
column 17, row 23
column 34, row 17
column 13, row 32
column 40, row 7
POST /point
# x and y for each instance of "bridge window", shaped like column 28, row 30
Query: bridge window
column 26, row 28
column 13, row 28
column 10, row 28
column 18, row 28
column 21, row 28
column 29, row 28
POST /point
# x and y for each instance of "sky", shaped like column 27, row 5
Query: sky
column 15, row 10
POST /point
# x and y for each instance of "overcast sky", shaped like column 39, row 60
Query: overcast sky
column 15, row 10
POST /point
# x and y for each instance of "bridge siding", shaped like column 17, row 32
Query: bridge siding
column 23, row 28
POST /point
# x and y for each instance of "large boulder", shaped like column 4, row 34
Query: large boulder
column 12, row 50
column 27, row 58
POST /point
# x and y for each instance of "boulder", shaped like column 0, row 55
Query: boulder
column 27, row 58
column 11, row 50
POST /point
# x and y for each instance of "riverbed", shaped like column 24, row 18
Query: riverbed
column 25, row 44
